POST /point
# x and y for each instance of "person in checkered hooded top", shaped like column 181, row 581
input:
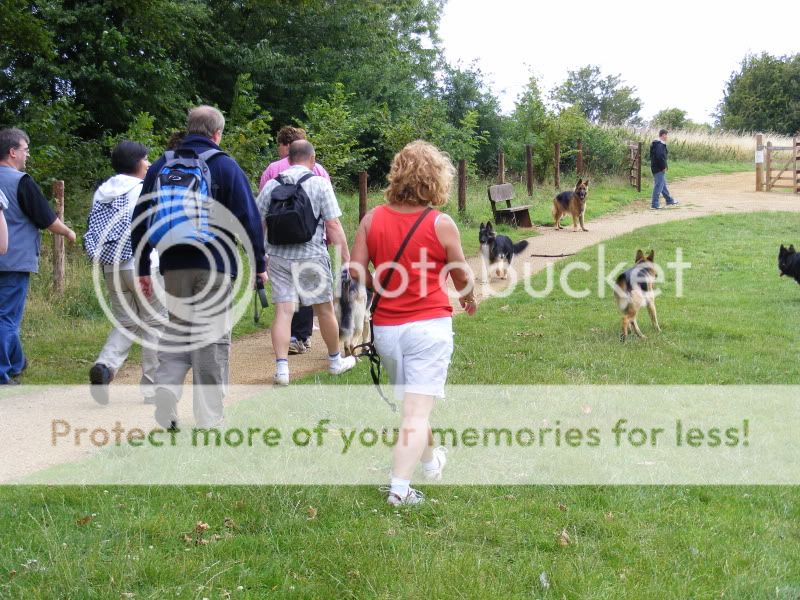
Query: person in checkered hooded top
column 108, row 241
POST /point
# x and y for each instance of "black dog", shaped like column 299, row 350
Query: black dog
column 789, row 262
column 498, row 250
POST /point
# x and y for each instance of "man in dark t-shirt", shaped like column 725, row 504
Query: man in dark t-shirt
column 28, row 212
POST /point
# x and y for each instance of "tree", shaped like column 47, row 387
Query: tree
column 334, row 130
column 602, row 99
column 764, row 95
column 670, row 118
column 464, row 91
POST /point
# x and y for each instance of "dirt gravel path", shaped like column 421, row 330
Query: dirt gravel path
column 27, row 424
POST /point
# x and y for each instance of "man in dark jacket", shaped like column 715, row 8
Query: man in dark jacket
column 658, row 165
column 198, row 277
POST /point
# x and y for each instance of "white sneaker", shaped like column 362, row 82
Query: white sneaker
column 345, row 363
column 413, row 498
column 439, row 455
column 281, row 379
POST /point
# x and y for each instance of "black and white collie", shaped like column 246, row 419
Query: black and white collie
column 498, row 250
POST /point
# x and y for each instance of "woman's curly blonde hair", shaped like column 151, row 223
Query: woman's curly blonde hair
column 421, row 174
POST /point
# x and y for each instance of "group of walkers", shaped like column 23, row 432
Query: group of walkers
column 191, row 330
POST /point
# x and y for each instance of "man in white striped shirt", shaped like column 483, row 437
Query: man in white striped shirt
column 302, row 272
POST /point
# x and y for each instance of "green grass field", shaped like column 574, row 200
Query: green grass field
column 738, row 322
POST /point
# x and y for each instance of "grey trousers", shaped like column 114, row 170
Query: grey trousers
column 197, row 324
column 126, row 304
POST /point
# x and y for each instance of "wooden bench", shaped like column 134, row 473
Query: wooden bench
column 518, row 216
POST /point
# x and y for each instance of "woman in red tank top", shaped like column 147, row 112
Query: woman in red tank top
column 413, row 324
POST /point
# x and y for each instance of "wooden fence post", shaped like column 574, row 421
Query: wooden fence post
column 759, row 162
column 362, row 195
column 579, row 160
column 768, row 166
column 501, row 167
column 529, row 163
column 639, row 170
column 58, row 240
column 557, row 166
column 462, row 186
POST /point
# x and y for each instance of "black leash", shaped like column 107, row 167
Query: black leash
column 368, row 350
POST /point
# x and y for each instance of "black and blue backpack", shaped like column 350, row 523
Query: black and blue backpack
column 184, row 197
column 290, row 216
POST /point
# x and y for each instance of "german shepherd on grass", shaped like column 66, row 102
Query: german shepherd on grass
column 789, row 262
column 573, row 203
column 498, row 250
column 634, row 289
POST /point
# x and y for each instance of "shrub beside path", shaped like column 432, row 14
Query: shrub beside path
column 27, row 421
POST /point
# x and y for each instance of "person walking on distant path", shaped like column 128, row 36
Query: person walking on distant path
column 658, row 165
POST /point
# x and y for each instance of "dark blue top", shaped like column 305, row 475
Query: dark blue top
column 230, row 188
column 658, row 156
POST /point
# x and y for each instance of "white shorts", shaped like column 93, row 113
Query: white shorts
column 416, row 355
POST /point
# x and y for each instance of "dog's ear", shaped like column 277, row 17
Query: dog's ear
column 586, row 183
column 651, row 256
column 639, row 256
column 481, row 228
column 580, row 180
column 791, row 249
column 489, row 225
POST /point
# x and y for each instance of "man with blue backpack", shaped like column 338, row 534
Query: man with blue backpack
column 194, row 200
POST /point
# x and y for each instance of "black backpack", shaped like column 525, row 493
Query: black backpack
column 290, row 217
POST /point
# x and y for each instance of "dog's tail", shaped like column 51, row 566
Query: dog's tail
column 520, row 246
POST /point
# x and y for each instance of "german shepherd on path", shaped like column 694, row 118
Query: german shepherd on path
column 498, row 250
column 351, row 305
column 574, row 203
column 789, row 262
column 634, row 289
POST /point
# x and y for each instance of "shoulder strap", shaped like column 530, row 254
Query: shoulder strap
column 387, row 277
column 305, row 177
column 209, row 154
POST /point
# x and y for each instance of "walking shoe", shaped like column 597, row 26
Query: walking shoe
column 22, row 370
column 440, row 456
column 281, row 379
column 166, row 413
column 413, row 498
column 100, row 376
column 297, row 347
column 307, row 344
column 341, row 365
column 655, row 208
column 673, row 203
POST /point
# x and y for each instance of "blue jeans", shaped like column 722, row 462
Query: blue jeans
column 13, row 292
column 660, row 187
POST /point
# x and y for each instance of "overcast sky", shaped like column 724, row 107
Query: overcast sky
column 678, row 53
